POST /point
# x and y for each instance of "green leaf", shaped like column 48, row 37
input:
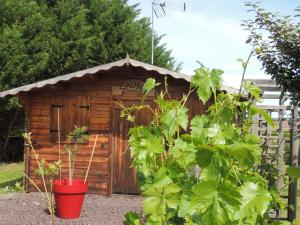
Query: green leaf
column 216, row 79
column 153, row 205
column 277, row 199
column 173, row 117
column 244, row 64
column 252, row 89
column 206, row 82
column 161, row 195
column 149, row 85
column 252, row 139
column 153, row 143
column 184, row 206
column 198, row 131
column 213, row 130
column 183, row 153
column 281, row 223
column 201, row 81
column 244, row 153
column 132, row 218
column 293, row 172
column 264, row 114
column 255, row 201
column 217, row 203
column 204, row 155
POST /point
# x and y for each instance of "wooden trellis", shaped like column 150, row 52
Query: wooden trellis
column 277, row 139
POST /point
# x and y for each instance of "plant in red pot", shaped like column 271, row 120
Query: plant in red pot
column 69, row 192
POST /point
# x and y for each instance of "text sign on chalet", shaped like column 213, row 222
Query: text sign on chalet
column 130, row 86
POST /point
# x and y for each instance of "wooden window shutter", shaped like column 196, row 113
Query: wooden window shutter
column 83, row 111
column 70, row 114
column 55, row 118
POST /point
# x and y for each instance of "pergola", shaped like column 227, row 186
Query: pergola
column 276, row 140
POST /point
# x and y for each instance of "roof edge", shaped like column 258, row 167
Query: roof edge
column 96, row 69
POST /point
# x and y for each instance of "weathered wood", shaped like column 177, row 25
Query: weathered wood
column 294, row 154
column 27, row 157
column 274, row 107
column 273, row 96
column 91, row 102
column 281, row 142
column 265, row 84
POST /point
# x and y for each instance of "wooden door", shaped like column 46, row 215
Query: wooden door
column 124, row 178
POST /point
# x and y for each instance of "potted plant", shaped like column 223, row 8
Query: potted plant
column 69, row 192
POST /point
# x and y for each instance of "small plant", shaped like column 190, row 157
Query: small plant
column 17, row 187
column 49, row 171
column 229, row 188
column 78, row 136
column 46, row 171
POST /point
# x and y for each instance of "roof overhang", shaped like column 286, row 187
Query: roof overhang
column 96, row 69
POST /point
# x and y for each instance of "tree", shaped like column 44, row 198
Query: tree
column 276, row 40
column 40, row 39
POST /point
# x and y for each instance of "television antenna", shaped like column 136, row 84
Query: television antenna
column 159, row 9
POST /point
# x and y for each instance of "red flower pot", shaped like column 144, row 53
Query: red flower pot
column 69, row 198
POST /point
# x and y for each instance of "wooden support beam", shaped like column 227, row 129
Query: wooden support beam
column 265, row 84
column 281, row 142
column 294, row 163
column 272, row 96
column 262, row 82
column 274, row 107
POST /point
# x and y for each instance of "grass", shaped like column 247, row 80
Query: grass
column 10, row 174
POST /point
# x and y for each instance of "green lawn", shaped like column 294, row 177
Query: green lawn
column 10, row 173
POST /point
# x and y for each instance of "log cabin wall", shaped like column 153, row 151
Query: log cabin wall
column 89, row 101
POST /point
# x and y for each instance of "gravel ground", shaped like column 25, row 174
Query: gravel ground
column 28, row 209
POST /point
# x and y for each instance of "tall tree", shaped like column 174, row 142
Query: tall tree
column 40, row 39
column 277, row 42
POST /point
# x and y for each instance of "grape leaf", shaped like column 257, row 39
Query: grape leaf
column 132, row 218
column 149, row 85
column 293, row 172
column 255, row 200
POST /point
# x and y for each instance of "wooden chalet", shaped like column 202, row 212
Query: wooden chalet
column 88, row 98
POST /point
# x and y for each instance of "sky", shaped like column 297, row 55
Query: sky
column 210, row 32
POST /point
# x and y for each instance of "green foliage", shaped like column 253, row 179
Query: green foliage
column 293, row 172
column 48, row 169
column 276, row 40
column 78, row 136
column 228, row 188
column 43, row 39
column 206, row 82
column 149, row 85
column 16, row 187
column 132, row 218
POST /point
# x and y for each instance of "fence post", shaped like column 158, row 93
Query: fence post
column 292, row 201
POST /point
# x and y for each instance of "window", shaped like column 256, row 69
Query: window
column 66, row 112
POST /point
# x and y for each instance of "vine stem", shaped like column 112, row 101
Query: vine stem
column 233, row 168
column 245, row 68
column 41, row 169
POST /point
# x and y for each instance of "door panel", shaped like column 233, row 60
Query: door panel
column 124, row 176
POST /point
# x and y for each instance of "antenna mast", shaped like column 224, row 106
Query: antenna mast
column 159, row 10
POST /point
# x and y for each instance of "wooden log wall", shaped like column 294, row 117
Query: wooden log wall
column 98, row 90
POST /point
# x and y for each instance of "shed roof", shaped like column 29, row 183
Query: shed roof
column 96, row 69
